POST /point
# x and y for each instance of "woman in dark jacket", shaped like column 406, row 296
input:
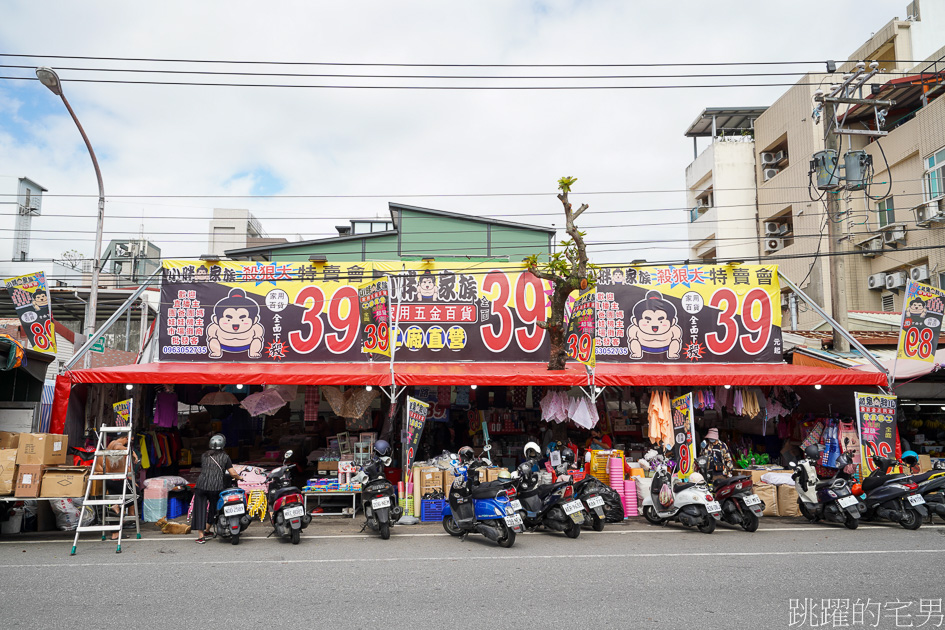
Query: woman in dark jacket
column 215, row 466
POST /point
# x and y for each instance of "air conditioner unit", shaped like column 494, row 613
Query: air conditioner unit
column 894, row 236
column 920, row 273
column 703, row 203
column 770, row 172
column 896, row 279
column 923, row 214
column 772, row 228
column 773, row 245
column 871, row 247
column 767, row 157
column 876, row 282
column 779, row 157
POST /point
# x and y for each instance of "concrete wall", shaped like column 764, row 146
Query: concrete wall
column 729, row 226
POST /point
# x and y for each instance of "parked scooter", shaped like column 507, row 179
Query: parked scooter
column 232, row 518
column 551, row 506
column 894, row 497
column 831, row 500
column 588, row 491
column 378, row 494
column 931, row 484
column 286, row 503
column 689, row 503
column 480, row 507
column 740, row 505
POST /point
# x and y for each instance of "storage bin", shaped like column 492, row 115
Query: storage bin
column 154, row 510
column 14, row 523
column 175, row 507
column 432, row 511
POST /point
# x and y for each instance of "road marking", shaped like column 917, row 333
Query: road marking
column 396, row 534
column 490, row 558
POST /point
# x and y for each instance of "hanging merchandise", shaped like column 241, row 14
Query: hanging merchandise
column 462, row 396
column 312, row 401
column 831, row 443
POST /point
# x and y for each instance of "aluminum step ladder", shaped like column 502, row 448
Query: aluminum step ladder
column 110, row 523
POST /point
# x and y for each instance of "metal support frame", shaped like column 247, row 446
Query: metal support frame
column 394, row 392
column 110, row 321
column 843, row 332
column 590, row 390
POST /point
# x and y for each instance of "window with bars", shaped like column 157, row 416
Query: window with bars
column 935, row 175
column 889, row 303
column 886, row 212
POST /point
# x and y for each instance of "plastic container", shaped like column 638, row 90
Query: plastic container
column 432, row 510
column 175, row 507
column 14, row 523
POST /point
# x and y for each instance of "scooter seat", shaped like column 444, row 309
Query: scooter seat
column 679, row 487
column 281, row 492
column 546, row 489
column 874, row 481
column 721, row 482
column 489, row 489
column 823, row 484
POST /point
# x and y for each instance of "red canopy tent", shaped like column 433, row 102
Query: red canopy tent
column 378, row 374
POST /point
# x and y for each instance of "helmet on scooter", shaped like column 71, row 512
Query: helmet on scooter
column 696, row 478
column 217, row 442
column 812, row 451
column 567, row 456
column 532, row 450
column 466, row 454
column 504, row 475
column 382, row 448
column 910, row 458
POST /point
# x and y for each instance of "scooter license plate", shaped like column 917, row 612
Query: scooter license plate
column 713, row 506
column 752, row 499
column 234, row 510
column 293, row 512
column 846, row 502
column 595, row 502
column 573, row 507
column 516, row 505
column 383, row 502
column 916, row 499
column 513, row 521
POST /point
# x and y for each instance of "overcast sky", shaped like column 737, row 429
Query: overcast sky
column 185, row 140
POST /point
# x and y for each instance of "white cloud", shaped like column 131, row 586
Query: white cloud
column 165, row 140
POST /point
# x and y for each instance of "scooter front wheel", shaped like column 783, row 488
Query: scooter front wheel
column 385, row 531
column 450, row 526
column 851, row 522
column 649, row 513
column 805, row 512
column 574, row 531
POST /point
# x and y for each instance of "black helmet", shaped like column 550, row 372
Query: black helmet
column 812, row 451
column 382, row 448
column 524, row 469
column 567, row 455
column 466, row 454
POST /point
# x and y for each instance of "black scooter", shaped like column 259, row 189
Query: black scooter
column 894, row 497
column 829, row 500
column 286, row 503
column 590, row 492
column 552, row 506
column 378, row 497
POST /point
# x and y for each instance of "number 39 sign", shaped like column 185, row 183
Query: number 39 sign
column 922, row 311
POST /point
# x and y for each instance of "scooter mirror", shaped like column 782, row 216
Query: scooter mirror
column 288, row 454
column 487, row 448
column 386, row 461
column 792, row 464
column 703, row 444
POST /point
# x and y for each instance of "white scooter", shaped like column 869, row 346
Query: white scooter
column 689, row 503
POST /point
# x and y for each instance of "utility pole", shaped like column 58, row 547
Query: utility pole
column 838, row 289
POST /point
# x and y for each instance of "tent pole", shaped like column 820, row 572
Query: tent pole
column 843, row 332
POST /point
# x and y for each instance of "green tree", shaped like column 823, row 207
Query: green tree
column 568, row 270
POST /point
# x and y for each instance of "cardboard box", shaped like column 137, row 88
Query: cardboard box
column 64, row 481
column 42, row 448
column 431, row 480
column 29, row 480
column 327, row 469
column 768, row 494
column 7, row 470
column 787, row 501
column 9, row 439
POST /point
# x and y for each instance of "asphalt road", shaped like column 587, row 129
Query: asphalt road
column 631, row 574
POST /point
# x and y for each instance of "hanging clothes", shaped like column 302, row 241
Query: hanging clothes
column 653, row 415
column 666, row 420
column 145, row 460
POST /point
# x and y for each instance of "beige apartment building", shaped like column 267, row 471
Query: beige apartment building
column 893, row 230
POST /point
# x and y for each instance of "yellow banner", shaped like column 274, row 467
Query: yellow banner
column 923, row 308
column 123, row 412
column 30, row 297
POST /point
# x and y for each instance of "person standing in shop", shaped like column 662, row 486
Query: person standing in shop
column 720, row 460
column 598, row 441
column 215, row 466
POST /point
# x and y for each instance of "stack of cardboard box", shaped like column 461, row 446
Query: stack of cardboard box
column 32, row 465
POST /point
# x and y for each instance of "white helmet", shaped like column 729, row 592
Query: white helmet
column 532, row 446
column 696, row 478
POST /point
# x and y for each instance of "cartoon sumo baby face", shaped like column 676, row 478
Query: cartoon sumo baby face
column 40, row 300
column 235, row 320
column 426, row 286
column 617, row 276
column 917, row 307
column 654, row 321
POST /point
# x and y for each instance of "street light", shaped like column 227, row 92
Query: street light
column 49, row 78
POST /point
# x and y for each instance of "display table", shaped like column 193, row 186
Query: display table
column 332, row 493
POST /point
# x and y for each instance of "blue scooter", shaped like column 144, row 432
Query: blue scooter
column 484, row 508
column 232, row 518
